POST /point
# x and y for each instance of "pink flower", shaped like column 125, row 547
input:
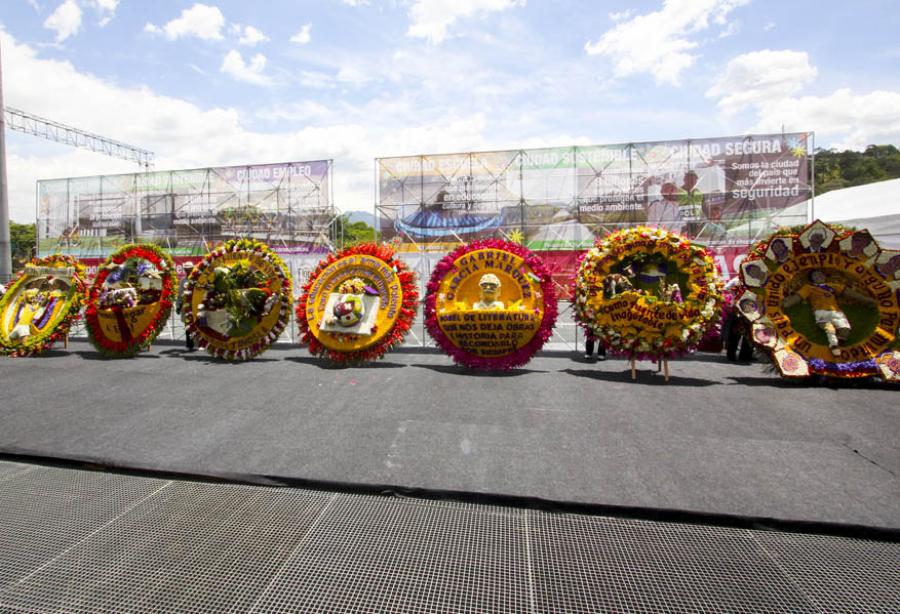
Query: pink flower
column 790, row 363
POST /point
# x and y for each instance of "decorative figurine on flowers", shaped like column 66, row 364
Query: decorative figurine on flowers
column 32, row 306
column 671, row 293
column 357, row 304
column 349, row 307
column 616, row 283
column 489, row 286
column 647, row 315
column 490, row 304
column 822, row 295
column 237, row 301
column 819, row 306
column 40, row 305
column 130, row 300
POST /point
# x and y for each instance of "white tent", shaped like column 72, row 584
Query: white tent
column 875, row 206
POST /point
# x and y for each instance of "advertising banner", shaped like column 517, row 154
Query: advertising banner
column 724, row 192
column 187, row 211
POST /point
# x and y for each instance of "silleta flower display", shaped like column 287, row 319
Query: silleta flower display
column 238, row 300
column 41, row 304
column 491, row 304
column 824, row 300
column 357, row 304
column 647, row 293
column 130, row 300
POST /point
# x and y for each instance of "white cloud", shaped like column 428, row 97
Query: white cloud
column 843, row 119
column 233, row 64
column 183, row 134
column 753, row 78
column 732, row 28
column 353, row 75
column 660, row 43
column 200, row 21
column 106, row 8
column 621, row 15
column 315, row 79
column 430, row 19
column 303, row 36
column 250, row 36
column 355, row 2
column 65, row 20
column 766, row 84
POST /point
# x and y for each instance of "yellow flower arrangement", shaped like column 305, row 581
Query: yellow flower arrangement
column 628, row 292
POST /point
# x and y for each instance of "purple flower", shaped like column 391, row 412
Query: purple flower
column 843, row 368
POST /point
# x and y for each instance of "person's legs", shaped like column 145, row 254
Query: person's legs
column 830, row 332
column 731, row 336
column 589, row 348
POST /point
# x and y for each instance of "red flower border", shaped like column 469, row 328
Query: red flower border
column 61, row 330
column 407, row 313
column 522, row 355
column 164, row 263
column 247, row 246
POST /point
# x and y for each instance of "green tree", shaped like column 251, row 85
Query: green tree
column 841, row 169
column 350, row 233
column 23, row 239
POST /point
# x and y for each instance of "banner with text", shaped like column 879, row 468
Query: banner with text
column 187, row 211
column 725, row 192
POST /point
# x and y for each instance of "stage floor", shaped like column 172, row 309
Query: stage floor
column 75, row 541
column 719, row 438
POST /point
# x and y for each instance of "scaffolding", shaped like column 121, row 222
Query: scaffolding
column 725, row 192
column 287, row 205
column 28, row 123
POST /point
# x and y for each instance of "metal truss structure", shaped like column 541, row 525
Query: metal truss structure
column 67, row 135
column 557, row 201
column 289, row 205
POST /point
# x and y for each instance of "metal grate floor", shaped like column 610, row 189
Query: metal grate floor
column 82, row 542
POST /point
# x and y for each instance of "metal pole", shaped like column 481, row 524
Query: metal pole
column 5, row 245
column 811, row 215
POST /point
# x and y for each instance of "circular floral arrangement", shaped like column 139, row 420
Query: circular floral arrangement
column 237, row 301
column 491, row 304
column 647, row 293
column 357, row 304
column 824, row 300
column 130, row 300
column 41, row 304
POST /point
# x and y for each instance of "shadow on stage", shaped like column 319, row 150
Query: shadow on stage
column 323, row 363
column 817, row 381
column 95, row 355
column 644, row 376
column 461, row 370
column 175, row 352
column 202, row 356
column 770, row 381
column 50, row 354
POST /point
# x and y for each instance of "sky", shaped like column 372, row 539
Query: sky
column 227, row 82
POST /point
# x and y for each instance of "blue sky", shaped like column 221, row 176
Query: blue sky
column 230, row 82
